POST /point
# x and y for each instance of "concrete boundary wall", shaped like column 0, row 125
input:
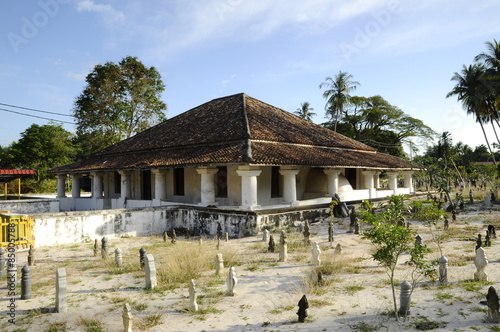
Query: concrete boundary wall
column 28, row 206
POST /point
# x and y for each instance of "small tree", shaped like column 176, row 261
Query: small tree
column 392, row 239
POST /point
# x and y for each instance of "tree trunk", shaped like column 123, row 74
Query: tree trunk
column 487, row 142
column 396, row 314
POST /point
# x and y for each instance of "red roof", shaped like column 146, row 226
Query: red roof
column 17, row 171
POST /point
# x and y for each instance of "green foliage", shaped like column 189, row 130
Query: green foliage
column 42, row 148
column 118, row 101
column 391, row 238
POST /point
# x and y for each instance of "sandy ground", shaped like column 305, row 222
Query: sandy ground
column 358, row 298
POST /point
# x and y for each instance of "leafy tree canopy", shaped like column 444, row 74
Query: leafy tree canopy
column 42, row 148
column 375, row 122
column 118, row 101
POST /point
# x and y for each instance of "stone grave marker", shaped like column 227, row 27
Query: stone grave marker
column 443, row 270
column 127, row 318
column 219, row 264
column 479, row 242
column 142, row 257
column 330, row 232
column 150, row 270
column 405, row 298
column 118, row 257
column 493, row 306
column 61, row 300
column 283, row 247
column 96, row 246
column 307, row 233
column 271, row 245
column 303, row 306
column 104, row 247
column 492, row 231
column 480, row 262
column 316, row 252
column 231, row 281
column 31, row 256
column 338, row 249
column 25, row 283
column 192, row 296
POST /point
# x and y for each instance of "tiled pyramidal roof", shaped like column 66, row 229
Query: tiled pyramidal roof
column 236, row 129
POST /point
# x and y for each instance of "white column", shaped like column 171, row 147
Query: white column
column 75, row 185
column 207, row 185
column 248, row 186
column 160, row 184
column 369, row 183
column 409, row 180
column 61, row 185
column 376, row 178
column 393, row 180
column 124, row 185
column 332, row 181
column 289, row 185
column 96, row 185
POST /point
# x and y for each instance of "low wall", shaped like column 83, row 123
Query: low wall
column 29, row 206
column 80, row 226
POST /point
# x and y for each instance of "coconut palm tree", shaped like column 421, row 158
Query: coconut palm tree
column 337, row 94
column 304, row 111
column 471, row 92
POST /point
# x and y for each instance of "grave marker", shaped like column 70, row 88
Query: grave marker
column 61, row 301
column 150, row 269
column 25, row 283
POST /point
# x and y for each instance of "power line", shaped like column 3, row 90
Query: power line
column 35, row 110
column 35, row 116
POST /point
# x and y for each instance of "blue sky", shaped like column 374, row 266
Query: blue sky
column 276, row 51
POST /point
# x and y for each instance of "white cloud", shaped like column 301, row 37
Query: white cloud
column 75, row 76
column 107, row 11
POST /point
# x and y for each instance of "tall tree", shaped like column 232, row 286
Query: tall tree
column 42, row 148
column 375, row 122
column 337, row 94
column 473, row 94
column 304, row 111
column 118, row 101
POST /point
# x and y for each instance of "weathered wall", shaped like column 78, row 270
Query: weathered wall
column 29, row 206
column 78, row 226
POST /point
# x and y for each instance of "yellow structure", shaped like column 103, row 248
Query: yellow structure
column 16, row 228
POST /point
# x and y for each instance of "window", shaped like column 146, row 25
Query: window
column 276, row 182
column 221, row 182
column 118, row 183
column 179, row 181
column 146, row 185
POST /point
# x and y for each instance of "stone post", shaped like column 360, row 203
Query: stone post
column 31, row 256
column 150, row 269
column 493, row 306
column 303, row 306
column 480, row 262
column 118, row 257
column 231, row 281
column 142, row 257
column 219, row 264
column 192, row 296
column 443, row 270
column 127, row 318
column 25, row 283
column 61, row 301
column 104, row 248
column 316, row 251
column 405, row 298
column 96, row 246
column 283, row 247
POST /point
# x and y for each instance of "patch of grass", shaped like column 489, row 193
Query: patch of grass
column 149, row 321
column 252, row 268
column 91, row 325
column 442, row 297
column 353, row 289
column 319, row 303
column 473, row 285
column 281, row 309
column 365, row 327
column 494, row 328
column 140, row 306
column 57, row 327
